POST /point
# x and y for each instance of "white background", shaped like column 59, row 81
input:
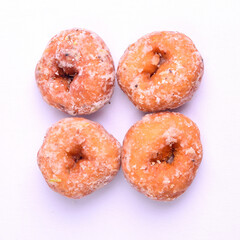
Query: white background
column 29, row 209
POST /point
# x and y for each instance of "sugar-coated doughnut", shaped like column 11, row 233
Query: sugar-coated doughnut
column 76, row 72
column 160, row 71
column 161, row 154
column 78, row 156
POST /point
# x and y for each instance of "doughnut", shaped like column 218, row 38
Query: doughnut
column 78, row 156
column 161, row 154
column 160, row 71
column 76, row 72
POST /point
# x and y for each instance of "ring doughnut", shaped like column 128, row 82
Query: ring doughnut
column 161, row 154
column 76, row 72
column 160, row 71
column 78, row 156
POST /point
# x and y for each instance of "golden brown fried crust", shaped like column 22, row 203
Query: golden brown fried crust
column 161, row 154
column 76, row 72
column 78, row 156
column 160, row 71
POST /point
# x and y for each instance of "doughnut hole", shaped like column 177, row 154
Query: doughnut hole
column 76, row 156
column 66, row 66
column 166, row 155
column 66, row 60
column 154, row 60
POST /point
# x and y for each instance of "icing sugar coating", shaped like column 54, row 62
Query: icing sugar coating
column 161, row 155
column 160, row 71
column 78, row 156
column 76, row 72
